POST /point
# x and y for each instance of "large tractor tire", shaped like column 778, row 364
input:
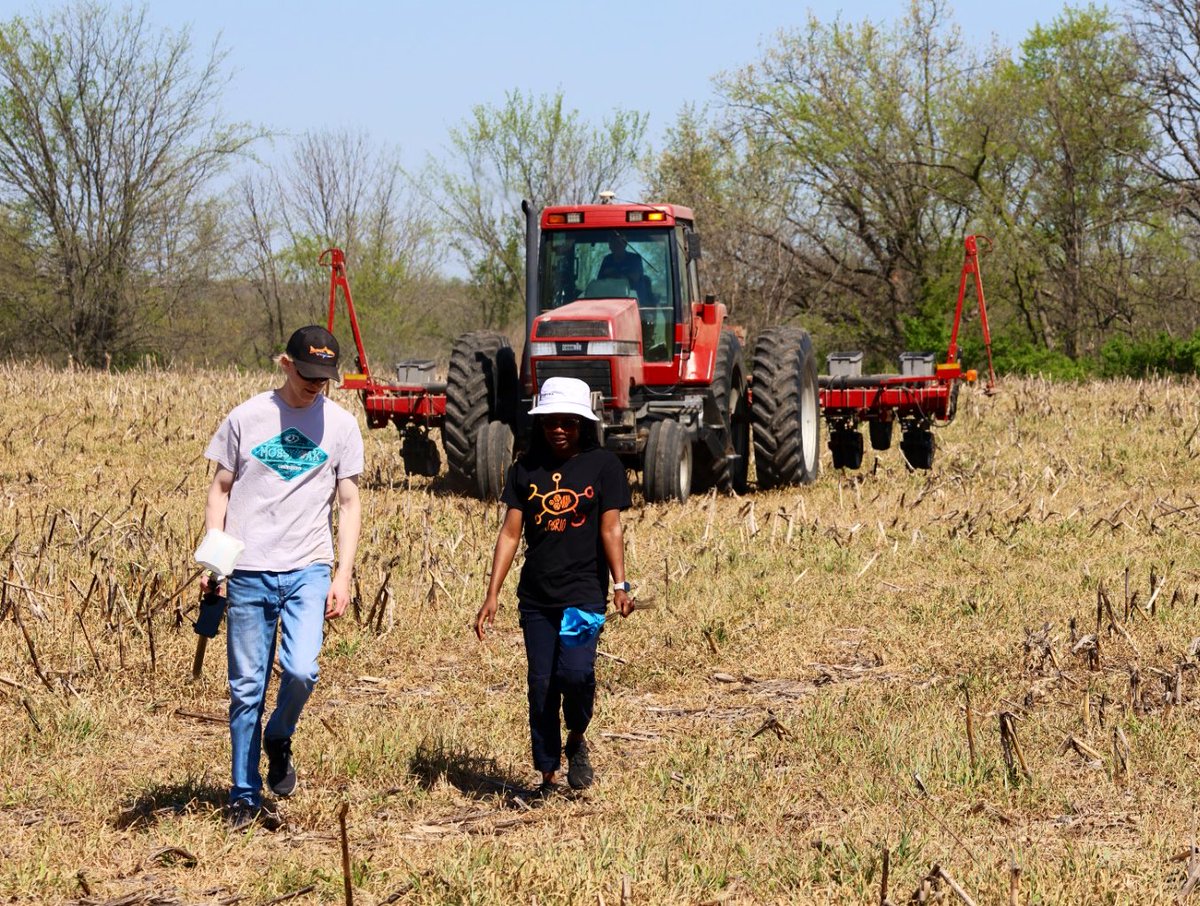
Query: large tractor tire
column 667, row 465
column 481, row 387
column 786, row 415
column 727, row 473
column 493, row 456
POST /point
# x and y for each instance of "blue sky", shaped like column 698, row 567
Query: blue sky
column 406, row 72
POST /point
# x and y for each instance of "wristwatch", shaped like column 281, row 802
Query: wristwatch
column 622, row 586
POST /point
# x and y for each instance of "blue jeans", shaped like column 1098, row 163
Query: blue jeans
column 560, row 677
column 257, row 602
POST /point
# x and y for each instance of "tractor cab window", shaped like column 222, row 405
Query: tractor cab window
column 614, row 264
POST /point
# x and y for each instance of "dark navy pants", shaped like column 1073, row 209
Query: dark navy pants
column 559, row 677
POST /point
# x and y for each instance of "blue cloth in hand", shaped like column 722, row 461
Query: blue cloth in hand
column 578, row 627
column 212, row 609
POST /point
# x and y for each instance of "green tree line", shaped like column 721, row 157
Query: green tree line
column 833, row 180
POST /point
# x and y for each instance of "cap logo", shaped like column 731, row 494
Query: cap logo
column 323, row 351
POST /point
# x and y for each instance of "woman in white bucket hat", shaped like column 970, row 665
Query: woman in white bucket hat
column 566, row 493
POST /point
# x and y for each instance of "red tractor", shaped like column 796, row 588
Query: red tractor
column 613, row 298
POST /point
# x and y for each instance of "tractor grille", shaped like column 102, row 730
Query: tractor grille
column 555, row 329
column 597, row 373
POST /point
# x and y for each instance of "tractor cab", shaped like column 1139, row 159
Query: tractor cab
column 616, row 264
column 610, row 252
column 612, row 298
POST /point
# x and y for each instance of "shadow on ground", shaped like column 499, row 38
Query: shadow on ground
column 170, row 799
column 471, row 774
column 443, row 485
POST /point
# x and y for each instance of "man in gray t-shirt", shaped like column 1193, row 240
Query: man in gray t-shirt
column 282, row 459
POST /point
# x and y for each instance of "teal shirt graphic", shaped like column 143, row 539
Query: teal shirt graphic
column 289, row 454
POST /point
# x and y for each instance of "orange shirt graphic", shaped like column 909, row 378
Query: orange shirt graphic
column 560, row 505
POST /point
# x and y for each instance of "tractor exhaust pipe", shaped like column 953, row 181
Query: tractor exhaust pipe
column 531, row 283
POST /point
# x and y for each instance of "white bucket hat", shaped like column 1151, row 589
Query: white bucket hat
column 564, row 396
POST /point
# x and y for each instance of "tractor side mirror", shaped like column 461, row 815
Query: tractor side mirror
column 693, row 246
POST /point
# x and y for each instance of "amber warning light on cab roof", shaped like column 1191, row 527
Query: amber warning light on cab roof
column 645, row 216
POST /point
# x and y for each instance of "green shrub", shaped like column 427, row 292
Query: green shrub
column 1159, row 354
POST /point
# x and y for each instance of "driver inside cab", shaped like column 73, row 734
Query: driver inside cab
column 622, row 263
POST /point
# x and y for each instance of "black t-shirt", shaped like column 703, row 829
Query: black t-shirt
column 565, row 564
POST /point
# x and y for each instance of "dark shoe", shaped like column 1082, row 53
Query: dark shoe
column 269, row 817
column 281, row 773
column 240, row 816
column 579, row 768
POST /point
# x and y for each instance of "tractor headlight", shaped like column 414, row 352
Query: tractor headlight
column 613, row 347
column 540, row 350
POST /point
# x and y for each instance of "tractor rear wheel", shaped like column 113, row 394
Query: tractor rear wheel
column 481, row 387
column 493, row 456
column 786, row 415
column 727, row 472
column 667, row 466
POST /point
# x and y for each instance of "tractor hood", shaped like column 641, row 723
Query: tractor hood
column 615, row 319
column 596, row 340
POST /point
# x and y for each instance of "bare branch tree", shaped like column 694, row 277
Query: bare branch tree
column 107, row 136
column 840, row 174
column 258, row 221
column 337, row 189
column 1167, row 34
column 531, row 148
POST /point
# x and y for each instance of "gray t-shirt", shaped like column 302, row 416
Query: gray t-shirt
column 286, row 463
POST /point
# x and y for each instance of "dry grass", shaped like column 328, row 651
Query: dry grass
column 790, row 707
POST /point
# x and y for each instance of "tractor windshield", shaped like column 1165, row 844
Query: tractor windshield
column 614, row 264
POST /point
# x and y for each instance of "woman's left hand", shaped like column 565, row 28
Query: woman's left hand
column 623, row 602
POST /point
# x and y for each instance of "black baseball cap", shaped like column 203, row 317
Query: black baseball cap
column 314, row 352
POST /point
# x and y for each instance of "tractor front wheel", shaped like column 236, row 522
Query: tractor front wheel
column 419, row 453
column 667, row 466
column 493, row 456
column 785, row 415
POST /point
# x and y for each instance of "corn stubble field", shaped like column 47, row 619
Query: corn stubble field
column 973, row 684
